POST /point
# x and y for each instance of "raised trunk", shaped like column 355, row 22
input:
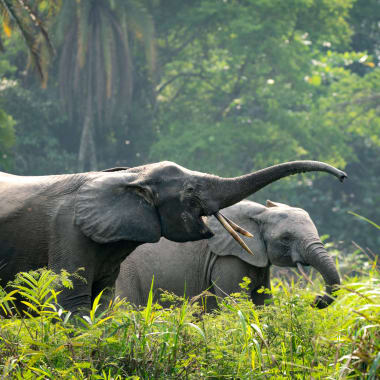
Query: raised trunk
column 318, row 258
column 232, row 190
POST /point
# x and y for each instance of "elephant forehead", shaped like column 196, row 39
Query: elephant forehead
column 281, row 216
column 165, row 170
column 293, row 222
column 289, row 213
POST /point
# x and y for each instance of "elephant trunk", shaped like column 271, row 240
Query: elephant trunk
column 318, row 258
column 229, row 191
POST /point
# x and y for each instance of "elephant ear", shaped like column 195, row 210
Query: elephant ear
column 223, row 244
column 116, row 206
column 270, row 204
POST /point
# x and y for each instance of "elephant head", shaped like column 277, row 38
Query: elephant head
column 283, row 236
column 142, row 204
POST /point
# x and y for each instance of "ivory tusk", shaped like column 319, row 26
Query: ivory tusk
column 299, row 266
column 237, row 228
column 227, row 226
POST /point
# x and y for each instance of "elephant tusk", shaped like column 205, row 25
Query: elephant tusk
column 237, row 228
column 299, row 266
column 227, row 226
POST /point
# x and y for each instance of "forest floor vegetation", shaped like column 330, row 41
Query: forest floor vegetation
column 287, row 339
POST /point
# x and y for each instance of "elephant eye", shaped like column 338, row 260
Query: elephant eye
column 195, row 203
column 285, row 239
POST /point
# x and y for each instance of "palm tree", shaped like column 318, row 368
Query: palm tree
column 26, row 18
column 96, row 65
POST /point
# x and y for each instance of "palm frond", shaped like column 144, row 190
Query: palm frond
column 27, row 21
column 66, row 78
column 82, row 21
column 142, row 24
column 123, row 63
column 106, row 42
column 39, row 25
column 96, row 66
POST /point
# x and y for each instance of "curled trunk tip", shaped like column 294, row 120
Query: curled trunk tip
column 321, row 302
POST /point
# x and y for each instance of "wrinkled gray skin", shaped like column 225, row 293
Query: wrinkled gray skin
column 94, row 220
column 283, row 236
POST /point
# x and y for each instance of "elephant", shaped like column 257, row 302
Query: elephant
column 282, row 236
column 94, row 220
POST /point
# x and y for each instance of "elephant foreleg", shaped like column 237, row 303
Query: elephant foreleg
column 78, row 301
column 228, row 272
column 258, row 293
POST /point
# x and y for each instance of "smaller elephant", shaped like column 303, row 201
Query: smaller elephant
column 282, row 236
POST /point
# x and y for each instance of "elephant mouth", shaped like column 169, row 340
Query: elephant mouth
column 233, row 229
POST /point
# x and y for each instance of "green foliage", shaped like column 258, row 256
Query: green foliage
column 238, row 85
column 348, row 115
column 286, row 339
column 245, row 87
column 366, row 36
column 351, row 104
column 29, row 21
column 7, row 138
column 248, row 84
column 6, row 66
column 39, row 133
column 95, row 76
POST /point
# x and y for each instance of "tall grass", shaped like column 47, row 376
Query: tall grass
column 288, row 339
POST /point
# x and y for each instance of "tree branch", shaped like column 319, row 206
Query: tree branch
column 175, row 77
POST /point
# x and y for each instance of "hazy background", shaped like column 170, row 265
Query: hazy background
column 221, row 86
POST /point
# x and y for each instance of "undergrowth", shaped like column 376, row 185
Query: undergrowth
column 287, row 339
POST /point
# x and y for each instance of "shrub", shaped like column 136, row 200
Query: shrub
column 286, row 339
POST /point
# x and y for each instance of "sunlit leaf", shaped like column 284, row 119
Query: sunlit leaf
column 7, row 29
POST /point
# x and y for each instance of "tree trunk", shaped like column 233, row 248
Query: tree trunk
column 87, row 151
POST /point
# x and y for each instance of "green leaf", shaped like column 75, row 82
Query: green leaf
column 374, row 367
column 315, row 80
column 366, row 219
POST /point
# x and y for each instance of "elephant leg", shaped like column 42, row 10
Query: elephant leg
column 263, row 277
column 227, row 273
column 106, row 285
column 128, row 284
column 77, row 300
column 70, row 250
column 108, row 293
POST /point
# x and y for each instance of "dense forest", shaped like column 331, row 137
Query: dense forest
column 224, row 87
column 219, row 86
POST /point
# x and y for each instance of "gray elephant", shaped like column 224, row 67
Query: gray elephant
column 95, row 219
column 282, row 235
